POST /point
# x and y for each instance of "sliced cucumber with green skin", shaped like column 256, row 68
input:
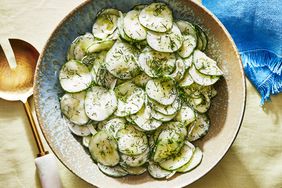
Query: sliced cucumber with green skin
column 202, row 79
column 162, row 91
column 137, row 160
column 187, row 28
column 187, row 80
column 130, row 99
column 98, row 46
column 170, row 41
column 92, row 128
column 165, row 109
column 134, row 170
column 79, row 130
column 194, row 161
column 156, row 64
column 75, row 76
column 132, row 26
column 198, row 128
column 141, row 80
column 188, row 46
column 100, row 103
column 81, row 45
column 206, row 65
column 120, row 26
column 131, row 141
column 104, row 25
column 114, row 125
column 179, row 71
column 156, row 171
column 72, row 106
column 103, row 149
column 185, row 115
column 169, row 142
column 144, row 119
column 202, row 38
column 86, row 140
column 161, row 117
column 121, row 60
column 116, row 171
column 156, row 17
column 181, row 158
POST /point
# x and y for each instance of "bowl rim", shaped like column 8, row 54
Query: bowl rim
column 70, row 14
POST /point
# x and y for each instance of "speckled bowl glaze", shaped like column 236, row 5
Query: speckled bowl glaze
column 226, row 112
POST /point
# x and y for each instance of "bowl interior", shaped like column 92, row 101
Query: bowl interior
column 226, row 111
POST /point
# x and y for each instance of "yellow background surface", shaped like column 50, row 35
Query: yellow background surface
column 254, row 160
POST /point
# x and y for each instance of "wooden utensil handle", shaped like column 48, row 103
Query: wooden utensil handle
column 35, row 131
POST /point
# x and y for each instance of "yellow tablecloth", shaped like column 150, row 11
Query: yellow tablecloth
column 255, row 159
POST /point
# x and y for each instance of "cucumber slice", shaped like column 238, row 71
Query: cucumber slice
column 74, row 76
column 185, row 115
column 121, row 60
column 188, row 46
column 156, row 17
column 104, row 25
column 131, row 141
column 120, row 25
column 144, row 119
column 72, row 106
column 202, row 38
column 156, row 171
column 162, row 91
column 187, row 80
column 169, row 142
column 187, row 28
column 198, row 128
column 141, row 80
column 115, row 171
column 91, row 128
column 206, row 65
column 81, row 45
column 86, row 140
column 161, row 117
column 132, row 26
column 137, row 160
column 98, row 46
column 114, row 125
column 135, row 170
column 156, row 64
column 165, row 109
column 202, row 79
column 181, row 158
column 179, row 71
column 79, row 130
column 130, row 99
column 103, row 149
column 100, row 103
column 194, row 161
column 170, row 41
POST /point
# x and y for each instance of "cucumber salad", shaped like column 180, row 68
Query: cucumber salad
column 137, row 90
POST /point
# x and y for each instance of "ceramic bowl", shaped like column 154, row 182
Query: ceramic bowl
column 226, row 112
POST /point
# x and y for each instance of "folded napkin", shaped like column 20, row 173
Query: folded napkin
column 256, row 27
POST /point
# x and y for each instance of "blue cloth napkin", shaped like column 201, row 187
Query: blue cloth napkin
column 256, row 27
